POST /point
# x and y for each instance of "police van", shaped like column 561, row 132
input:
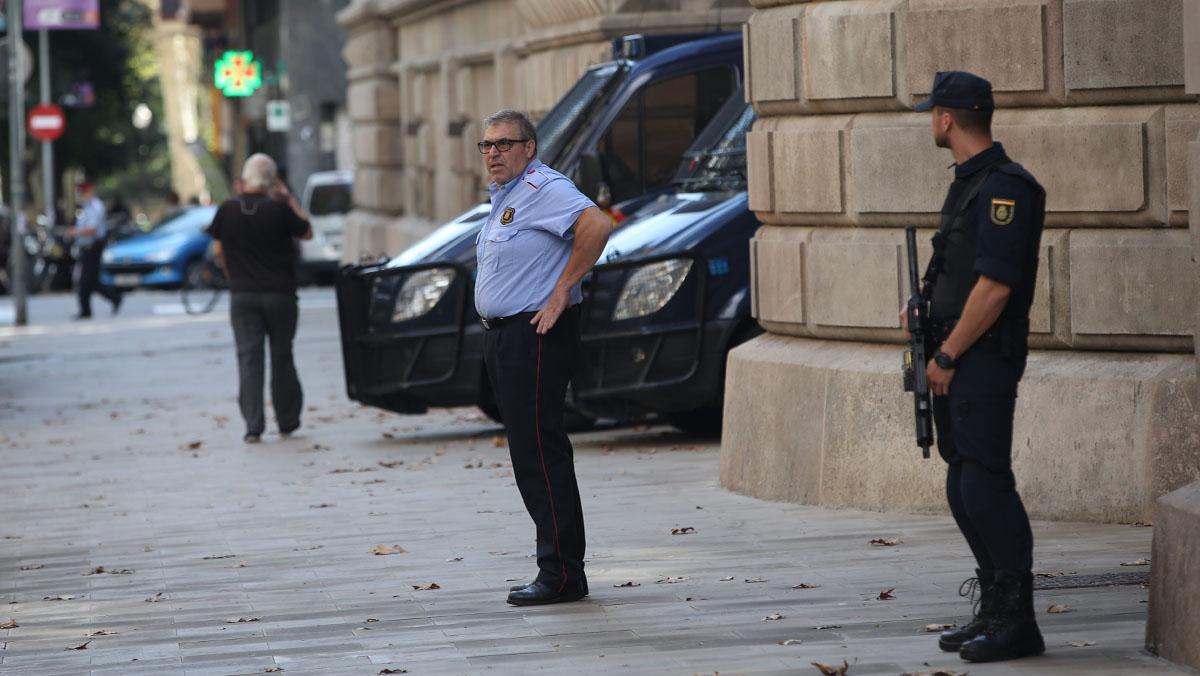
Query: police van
column 671, row 294
column 410, row 336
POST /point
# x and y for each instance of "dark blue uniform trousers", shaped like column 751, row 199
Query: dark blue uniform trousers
column 975, row 430
column 529, row 375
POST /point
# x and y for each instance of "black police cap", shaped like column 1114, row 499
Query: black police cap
column 958, row 89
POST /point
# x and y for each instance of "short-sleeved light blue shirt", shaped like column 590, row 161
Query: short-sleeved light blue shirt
column 92, row 216
column 524, row 245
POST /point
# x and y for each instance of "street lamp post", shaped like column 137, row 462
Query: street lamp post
column 16, row 155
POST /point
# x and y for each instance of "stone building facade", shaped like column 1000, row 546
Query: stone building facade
column 1092, row 99
column 423, row 73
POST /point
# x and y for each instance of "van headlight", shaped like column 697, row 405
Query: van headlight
column 650, row 288
column 421, row 292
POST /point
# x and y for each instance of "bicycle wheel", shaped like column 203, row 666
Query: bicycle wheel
column 202, row 286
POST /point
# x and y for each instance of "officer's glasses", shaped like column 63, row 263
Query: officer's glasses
column 503, row 145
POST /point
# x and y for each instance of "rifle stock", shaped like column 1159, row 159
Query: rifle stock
column 915, row 359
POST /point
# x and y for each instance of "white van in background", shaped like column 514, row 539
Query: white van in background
column 327, row 199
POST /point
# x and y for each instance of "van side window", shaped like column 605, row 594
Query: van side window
column 641, row 150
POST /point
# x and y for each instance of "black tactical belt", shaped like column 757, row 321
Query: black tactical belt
column 497, row 322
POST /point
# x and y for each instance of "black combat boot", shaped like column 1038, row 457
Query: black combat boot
column 983, row 586
column 1012, row 630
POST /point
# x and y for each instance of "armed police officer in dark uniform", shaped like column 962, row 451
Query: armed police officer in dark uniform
column 541, row 238
column 982, row 277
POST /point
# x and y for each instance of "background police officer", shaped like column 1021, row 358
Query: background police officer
column 91, row 234
column 541, row 238
column 983, row 271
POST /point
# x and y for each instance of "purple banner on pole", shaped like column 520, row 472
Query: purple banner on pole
column 62, row 15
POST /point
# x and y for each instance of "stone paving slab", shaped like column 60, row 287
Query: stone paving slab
column 120, row 447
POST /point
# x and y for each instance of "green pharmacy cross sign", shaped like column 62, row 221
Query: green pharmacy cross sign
column 237, row 74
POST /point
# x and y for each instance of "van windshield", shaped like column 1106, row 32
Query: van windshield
column 717, row 160
column 329, row 199
column 557, row 127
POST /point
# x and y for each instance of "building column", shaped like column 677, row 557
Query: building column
column 839, row 163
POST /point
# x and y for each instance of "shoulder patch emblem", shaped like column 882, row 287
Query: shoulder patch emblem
column 507, row 216
column 1003, row 211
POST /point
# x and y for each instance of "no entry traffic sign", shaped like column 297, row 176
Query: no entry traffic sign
column 46, row 122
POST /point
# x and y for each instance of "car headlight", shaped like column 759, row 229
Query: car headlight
column 650, row 288
column 107, row 256
column 421, row 292
column 162, row 255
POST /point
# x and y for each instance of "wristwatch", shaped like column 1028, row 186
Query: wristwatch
column 943, row 360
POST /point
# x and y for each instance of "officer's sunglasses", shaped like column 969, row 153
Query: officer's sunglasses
column 503, row 145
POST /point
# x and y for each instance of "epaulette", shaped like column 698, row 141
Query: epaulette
column 1017, row 171
column 535, row 178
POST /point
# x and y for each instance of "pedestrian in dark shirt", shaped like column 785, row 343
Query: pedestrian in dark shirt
column 254, row 237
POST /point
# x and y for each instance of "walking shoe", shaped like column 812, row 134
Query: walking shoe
column 1012, row 630
column 252, row 438
column 116, row 304
column 81, row 316
column 979, row 589
column 284, row 434
column 538, row 594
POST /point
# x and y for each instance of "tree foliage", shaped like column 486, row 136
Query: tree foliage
column 118, row 60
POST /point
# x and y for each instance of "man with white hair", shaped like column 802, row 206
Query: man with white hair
column 254, row 239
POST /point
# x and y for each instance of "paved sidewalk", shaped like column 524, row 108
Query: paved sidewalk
column 120, row 448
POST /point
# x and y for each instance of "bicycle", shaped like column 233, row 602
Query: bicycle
column 203, row 285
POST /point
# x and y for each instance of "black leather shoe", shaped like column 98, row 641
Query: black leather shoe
column 538, row 594
column 519, row 587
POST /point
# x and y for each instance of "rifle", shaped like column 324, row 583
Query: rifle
column 915, row 359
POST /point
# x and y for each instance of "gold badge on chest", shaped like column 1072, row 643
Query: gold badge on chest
column 507, row 216
column 1002, row 211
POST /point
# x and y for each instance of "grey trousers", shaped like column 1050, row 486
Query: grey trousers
column 258, row 319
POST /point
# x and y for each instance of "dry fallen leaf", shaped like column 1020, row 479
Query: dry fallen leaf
column 33, row 566
column 323, row 505
column 193, row 445
column 938, row 627
column 212, row 557
column 886, row 594
column 393, row 671
column 805, row 585
column 60, row 597
column 1081, row 644
column 630, row 583
column 93, row 571
column 670, row 580
column 240, row 620
column 773, row 616
column 9, row 624
column 272, row 670
column 384, row 550
column 81, row 646
column 454, row 560
column 791, row 641
column 1138, row 562
column 727, row 579
column 832, row 670
column 498, row 442
column 103, row 632
column 1049, row 574
column 682, row 530
column 1059, row 608
column 754, row 580
column 390, row 464
column 156, row 598
column 427, row 587
column 827, row 626
column 938, row 672
column 372, row 619
column 886, row 542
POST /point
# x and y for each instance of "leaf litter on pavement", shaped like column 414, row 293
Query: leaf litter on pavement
column 833, row 669
column 886, row 542
column 384, row 550
column 682, row 530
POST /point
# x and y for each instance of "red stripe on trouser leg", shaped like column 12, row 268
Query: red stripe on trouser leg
column 537, row 422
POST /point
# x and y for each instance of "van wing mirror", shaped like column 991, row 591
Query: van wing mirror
column 589, row 178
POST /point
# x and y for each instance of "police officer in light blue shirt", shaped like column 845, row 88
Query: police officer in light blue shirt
column 541, row 238
column 91, row 234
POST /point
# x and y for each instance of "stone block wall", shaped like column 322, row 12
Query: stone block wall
column 1093, row 98
column 423, row 73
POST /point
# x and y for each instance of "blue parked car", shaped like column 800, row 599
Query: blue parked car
column 163, row 256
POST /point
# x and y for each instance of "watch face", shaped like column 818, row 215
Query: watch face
column 943, row 360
